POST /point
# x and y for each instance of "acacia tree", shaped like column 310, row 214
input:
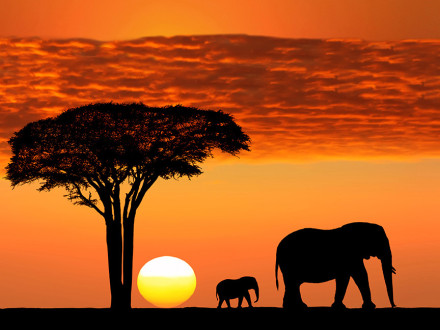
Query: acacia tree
column 108, row 155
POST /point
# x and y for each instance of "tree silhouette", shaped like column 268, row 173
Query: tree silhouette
column 107, row 156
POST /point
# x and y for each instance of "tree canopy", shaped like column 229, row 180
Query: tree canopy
column 102, row 145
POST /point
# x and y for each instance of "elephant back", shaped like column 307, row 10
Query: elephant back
column 363, row 238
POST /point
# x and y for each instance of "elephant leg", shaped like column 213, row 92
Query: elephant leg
column 240, row 301
column 228, row 303
column 292, row 296
column 341, row 288
column 248, row 299
column 220, row 302
column 360, row 277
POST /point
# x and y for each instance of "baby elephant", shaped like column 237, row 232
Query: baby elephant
column 239, row 288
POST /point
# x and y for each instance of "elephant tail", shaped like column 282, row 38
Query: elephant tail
column 216, row 293
column 276, row 273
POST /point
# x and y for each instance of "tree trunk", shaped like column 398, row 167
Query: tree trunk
column 120, row 262
column 128, row 259
column 120, row 233
column 114, row 254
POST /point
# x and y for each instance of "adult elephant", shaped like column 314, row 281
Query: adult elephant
column 236, row 288
column 315, row 255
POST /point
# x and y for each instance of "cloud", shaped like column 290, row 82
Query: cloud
column 297, row 98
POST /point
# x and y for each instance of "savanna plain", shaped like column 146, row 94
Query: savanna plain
column 213, row 318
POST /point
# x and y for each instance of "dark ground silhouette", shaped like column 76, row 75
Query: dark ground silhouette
column 226, row 318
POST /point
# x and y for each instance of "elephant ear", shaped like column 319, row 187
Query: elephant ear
column 363, row 239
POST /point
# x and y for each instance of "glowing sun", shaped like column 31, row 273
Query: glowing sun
column 166, row 281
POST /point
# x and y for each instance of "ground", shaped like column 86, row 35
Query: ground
column 212, row 318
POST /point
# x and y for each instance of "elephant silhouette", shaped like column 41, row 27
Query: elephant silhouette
column 236, row 288
column 315, row 255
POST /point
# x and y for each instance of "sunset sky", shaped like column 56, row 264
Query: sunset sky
column 340, row 98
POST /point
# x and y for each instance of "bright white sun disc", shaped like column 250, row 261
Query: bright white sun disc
column 166, row 281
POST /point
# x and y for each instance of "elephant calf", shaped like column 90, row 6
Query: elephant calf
column 239, row 288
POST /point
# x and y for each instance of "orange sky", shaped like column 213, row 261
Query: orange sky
column 128, row 19
column 343, row 130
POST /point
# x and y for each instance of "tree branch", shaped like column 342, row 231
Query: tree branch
column 104, row 192
column 137, row 198
column 133, row 192
column 100, row 189
column 85, row 201
column 116, row 203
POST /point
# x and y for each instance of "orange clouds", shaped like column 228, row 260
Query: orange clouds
column 297, row 98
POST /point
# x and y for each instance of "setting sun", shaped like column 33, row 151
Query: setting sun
column 166, row 281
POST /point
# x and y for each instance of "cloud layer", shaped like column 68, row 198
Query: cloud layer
column 296, row 98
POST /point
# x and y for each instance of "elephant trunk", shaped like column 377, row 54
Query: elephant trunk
column 257, row 291
column 388, row 271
